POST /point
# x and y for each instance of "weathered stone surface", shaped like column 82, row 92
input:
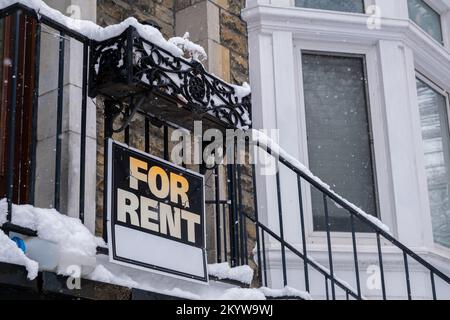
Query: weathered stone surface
column 232, row 22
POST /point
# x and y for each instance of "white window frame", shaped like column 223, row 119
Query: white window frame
column 445, row 26
column 379, row 136
column 445, row 92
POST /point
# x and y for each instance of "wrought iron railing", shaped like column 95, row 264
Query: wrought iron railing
column 130, row 66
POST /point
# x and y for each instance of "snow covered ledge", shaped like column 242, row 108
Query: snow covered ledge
column 75, row 246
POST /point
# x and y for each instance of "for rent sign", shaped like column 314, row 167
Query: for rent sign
column 156, row 214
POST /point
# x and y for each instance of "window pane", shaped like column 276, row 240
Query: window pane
column 335, row 5
column 435, row 135
column 338, row 137
column 428, row 19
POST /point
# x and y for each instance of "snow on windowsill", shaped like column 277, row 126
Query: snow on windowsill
column 76, row 245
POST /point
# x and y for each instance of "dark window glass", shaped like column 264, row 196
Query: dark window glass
column 427, row 18
column 338, row 134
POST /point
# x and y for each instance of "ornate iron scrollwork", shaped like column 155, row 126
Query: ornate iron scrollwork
column 130, row 65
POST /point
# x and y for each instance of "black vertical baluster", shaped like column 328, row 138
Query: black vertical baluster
column 347, row 297
column 83, row 129
column 408, row 282
column 127, row 128
column 166, row 143
column 302, row 224
column 218, row 224
column 330, row 252
column 255, row 204
column 37, row 55
column 326, row 289
column 380, row 258
column 280, row 221
column 224, row 231
column 108, row 128
column 147, row 135
column 355, row 255
column 233, row 219
column 12, row 116
column 59, row 121
column 264, row 256
column 433, row 285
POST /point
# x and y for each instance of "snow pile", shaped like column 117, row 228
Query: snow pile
column 266, row 142
column 194, row 50
column 76, row 244
column 286, row 292
column 241, row 91
column 221, row 271
column 132, row 278
column 242, row 294
column 10, row 253
column 102, row 274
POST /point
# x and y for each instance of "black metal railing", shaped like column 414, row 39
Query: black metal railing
column 331, row 279
column 236, row 224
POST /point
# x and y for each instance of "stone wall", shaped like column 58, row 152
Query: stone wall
column 218, row 27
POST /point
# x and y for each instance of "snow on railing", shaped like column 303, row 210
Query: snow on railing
column 177, row 46
column 265, row 142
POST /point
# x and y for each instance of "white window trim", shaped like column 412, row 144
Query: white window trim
column 379, row 154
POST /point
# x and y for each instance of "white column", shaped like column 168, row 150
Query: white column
column 404, row 135
column 274, row 107
column 71, row 132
